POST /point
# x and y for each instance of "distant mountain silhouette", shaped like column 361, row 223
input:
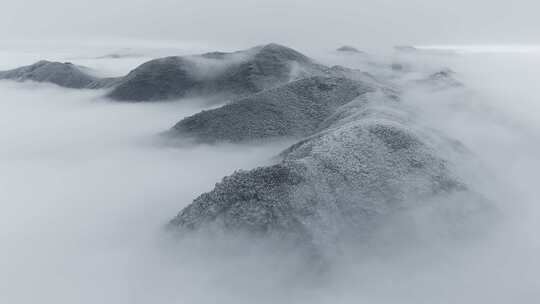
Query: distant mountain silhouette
column 63, row 74
column 348, row 49
column 217, row 74
column 227, row 75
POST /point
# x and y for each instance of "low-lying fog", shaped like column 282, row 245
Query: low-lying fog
column 87, row 187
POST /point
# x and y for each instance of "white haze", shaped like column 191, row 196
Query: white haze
column 319, row 23
column 86, row 189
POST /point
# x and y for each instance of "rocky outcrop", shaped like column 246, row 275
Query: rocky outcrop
column 62, row 74
column 294, row 110
column 227, row 75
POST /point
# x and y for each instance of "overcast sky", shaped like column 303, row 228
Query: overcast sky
column 296, row 22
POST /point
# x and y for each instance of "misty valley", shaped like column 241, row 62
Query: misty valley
column 269, row 174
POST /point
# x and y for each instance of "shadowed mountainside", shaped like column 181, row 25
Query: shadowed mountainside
column 227, row 75
column 293, row 110
column 368, row 162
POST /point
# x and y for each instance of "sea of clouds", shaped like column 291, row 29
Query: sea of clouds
column 87, row 187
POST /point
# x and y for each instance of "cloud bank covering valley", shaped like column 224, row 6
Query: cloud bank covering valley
column 89, row 185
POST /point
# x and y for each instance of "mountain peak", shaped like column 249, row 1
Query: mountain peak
column 348, row 49
column 274, row 51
